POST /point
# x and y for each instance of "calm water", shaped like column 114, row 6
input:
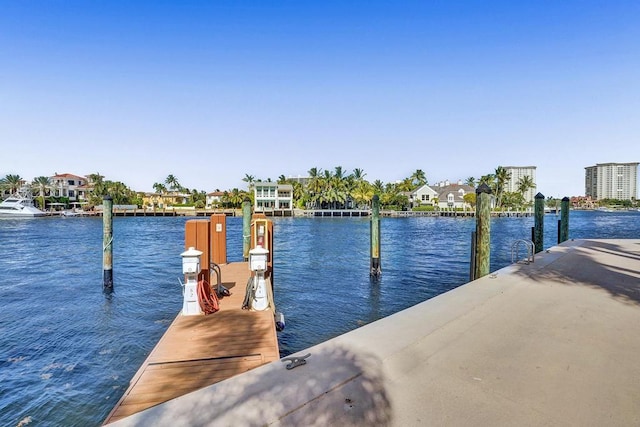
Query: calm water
column 68, row 351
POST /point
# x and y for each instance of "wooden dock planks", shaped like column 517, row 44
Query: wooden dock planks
column 197, row 351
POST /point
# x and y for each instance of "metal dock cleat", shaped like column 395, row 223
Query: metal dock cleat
column 296, row 361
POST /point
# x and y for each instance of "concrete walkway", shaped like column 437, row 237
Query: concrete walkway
column 554, row 343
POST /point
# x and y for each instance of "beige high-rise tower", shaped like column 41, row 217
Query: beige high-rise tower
column 612, row 181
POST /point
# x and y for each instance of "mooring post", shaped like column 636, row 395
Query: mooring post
column 538, row 229
column 107, row 242
column 246, row 228
column 375, row 267
column 483, row 231
column 472, row 261
column 564, row 220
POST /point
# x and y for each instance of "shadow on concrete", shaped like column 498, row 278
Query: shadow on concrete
column 613, row 267
column 337, row 386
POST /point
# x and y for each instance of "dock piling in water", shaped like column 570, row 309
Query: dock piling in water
column 564, row 220
column 375, row 267
column 538, row 229
column 107, row 243
column 482, row 262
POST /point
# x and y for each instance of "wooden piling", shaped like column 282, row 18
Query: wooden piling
column 246, row 228
column 375, row 264
column 472, row 262
column 564, row 220
column 483, row 231
column 538, row 229
column 107, row 243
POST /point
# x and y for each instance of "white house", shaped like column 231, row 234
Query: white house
column 270, row 196
column 214, row 199
column 425, row 195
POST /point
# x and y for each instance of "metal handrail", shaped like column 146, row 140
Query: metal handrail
column 530, row 250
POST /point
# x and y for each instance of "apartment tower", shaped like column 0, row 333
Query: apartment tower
column 612, row 181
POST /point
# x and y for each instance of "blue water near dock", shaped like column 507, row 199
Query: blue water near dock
column 68, row 351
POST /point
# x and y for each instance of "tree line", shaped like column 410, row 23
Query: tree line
column 329, row 188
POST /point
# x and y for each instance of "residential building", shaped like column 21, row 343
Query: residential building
column 451, row 196
column 270, row 196
column 517, row 173
column 612, row 181
column 74, row 187
column 425, row 195
column 214, row 199
column 163, row 201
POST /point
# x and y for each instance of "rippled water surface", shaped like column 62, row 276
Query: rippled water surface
column 68, row 351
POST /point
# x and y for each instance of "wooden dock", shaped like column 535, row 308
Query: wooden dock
column 197, row 351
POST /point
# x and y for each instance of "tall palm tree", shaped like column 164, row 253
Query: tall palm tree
column 172, row 182
column 249, row 179
column 419, row 178
column 524, row 184
column 315, row 186
column 502, row 177
column 41, row 183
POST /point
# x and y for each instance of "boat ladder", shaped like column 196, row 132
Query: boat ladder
column 530, row 247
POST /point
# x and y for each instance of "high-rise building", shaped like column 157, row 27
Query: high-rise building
column 612, row 181
column 517, row 173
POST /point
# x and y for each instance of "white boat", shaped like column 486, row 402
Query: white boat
column 19, row 205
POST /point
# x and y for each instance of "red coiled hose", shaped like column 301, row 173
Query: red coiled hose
column 208, row 300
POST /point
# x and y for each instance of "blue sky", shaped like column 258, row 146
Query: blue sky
column 212, row 90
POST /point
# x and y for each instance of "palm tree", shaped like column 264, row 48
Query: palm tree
column 471, row 181
column 282, row 179
column 378, row 187
column 502, row 176
column 315, row 186
column 419, row 178
column 524, row 184
column 406, row 185
column 358, row 174
column 249, row 179
column 41, row 183
column 362, row 193
column 234, row 198
column 12, row 183
column 172, row 182
column 159, row 188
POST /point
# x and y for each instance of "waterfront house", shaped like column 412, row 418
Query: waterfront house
column 214, row 199
column 74, row 187
column 451, row 196
column 271, row 196
column 425, row 195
